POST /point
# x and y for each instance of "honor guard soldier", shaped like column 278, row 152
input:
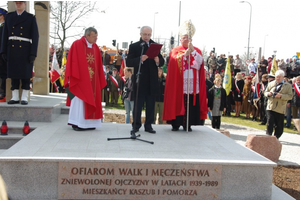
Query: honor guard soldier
column 19, row 48
column 3, row 69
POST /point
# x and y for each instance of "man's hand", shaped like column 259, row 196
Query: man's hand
column 144, row 57
column 156, row 59
column 278, row 95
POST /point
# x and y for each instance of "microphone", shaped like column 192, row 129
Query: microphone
column 142, row 44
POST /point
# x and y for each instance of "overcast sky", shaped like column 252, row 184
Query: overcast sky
column 223, row 24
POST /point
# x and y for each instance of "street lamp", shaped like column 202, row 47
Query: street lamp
column 249, row 26
column 265, row 43
column 154, row 24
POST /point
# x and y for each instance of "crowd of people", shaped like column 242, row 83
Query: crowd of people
column 257, row 95
column 263, row 94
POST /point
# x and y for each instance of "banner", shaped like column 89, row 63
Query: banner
column 227, row 78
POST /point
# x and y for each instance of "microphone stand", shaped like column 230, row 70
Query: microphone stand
column 132, row 133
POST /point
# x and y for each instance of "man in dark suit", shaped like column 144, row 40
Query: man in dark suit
column 19, row 47
column 3, row 70
column 148, row 79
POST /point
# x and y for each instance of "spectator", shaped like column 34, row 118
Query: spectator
column 238, row 64
column 294, row 68
column 216, row 102
column 212, row 63
column 278, row 93
column 128, row 98
column 114, row 87
column 263, row 65
column 221, row 62
column 159, row 101
column 282, row 65
column 252, row 67
column 238, row 93
column 262, row 100
column 246, row 93
column 295, row 102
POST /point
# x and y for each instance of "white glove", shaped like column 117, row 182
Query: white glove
column 118, row 89
column 108, row 89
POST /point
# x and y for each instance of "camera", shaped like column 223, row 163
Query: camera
column 274, row 94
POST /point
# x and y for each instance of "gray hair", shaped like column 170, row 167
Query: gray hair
column 143, row 27
column 89, row 30
column 279, row 73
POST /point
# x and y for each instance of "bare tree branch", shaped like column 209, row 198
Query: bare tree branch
column 66, row 15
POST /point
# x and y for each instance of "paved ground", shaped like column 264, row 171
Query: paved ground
column 290, row 154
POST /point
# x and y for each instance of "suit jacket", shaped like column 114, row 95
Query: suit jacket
column 18, row 51
column 275, row 104
column 148, row 72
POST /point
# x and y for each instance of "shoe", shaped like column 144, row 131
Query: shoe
column 189, row 130
column 263, row 123
column 175, row 128
column 295, row 129
column 2, row 96
column 150, row 131
column 134, row 131
column 13, row 102
column 24, row 102
column 76, row 128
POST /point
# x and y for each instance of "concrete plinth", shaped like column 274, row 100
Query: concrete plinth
column 56, row 162
column 51, row 152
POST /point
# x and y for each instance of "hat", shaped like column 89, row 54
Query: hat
column 271, row 76
column 3, row 11
column 115, row 69
column 187, row 27
column 269, row 58
column 252, row 72
column 249, row 78
column 222, row 70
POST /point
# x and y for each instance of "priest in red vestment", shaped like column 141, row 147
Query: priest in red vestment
column 84, row 79
column 182, row 80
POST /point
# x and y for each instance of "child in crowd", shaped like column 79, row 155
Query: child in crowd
column 216, row 102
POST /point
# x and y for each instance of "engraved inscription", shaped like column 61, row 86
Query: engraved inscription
column 109, row 180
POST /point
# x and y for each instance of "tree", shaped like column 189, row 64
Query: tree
column 65, row 16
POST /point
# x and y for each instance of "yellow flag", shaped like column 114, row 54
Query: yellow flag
column 274, row 67
column 227, row 78
column 64, row 61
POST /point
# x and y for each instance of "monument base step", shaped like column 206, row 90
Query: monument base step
column 40, row 108
column 56, row 162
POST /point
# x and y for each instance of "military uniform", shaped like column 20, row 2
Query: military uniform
column 19, row 44
column 3, row 67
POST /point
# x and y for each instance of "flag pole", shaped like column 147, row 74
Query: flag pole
column 188, row 82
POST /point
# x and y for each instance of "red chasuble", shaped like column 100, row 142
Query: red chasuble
column 173, row 100
column 85, row 77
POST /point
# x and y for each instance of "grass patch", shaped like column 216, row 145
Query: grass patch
column 253, row 124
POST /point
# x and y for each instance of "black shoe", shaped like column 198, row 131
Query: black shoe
column 190, row 129
column 150, row 131
column 23, row 102
column 175, row 128
column 263, row 123
column 133, row 131
column 13, row 102
column 76, row 128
